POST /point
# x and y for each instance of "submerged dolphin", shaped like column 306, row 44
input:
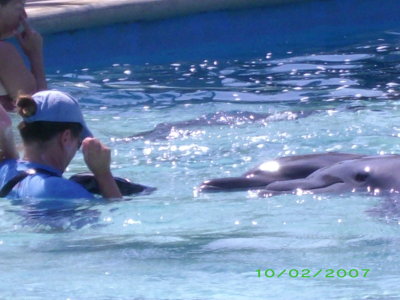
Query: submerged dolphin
column 280, row 169
column 165, row 131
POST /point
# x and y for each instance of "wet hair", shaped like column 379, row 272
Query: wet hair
column 41, row 131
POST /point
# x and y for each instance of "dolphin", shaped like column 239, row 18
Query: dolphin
column 280, row 169
column 166, row 130
column 372, row 174
column 126, row 187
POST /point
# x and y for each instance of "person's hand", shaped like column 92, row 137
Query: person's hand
column 31, row 41
column 98, row 159
column 97, row 156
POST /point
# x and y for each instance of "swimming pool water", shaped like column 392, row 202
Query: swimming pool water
column 178, row 244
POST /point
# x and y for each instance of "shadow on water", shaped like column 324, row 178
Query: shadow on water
column 60, row 215
column 55, row 216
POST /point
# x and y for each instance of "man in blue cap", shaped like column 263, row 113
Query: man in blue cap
column 52, row 131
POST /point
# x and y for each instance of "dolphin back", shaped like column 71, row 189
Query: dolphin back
column 126, row 187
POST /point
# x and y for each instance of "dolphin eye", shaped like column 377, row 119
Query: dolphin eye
column 361, row 176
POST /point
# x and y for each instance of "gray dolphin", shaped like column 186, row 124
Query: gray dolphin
column 279, row 169
column 165, row 131
column 373, row 174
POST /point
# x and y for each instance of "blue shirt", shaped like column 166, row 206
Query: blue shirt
column 40, row 185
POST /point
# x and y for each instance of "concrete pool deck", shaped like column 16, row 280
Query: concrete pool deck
column 50, row 16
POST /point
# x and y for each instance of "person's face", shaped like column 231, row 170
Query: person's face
column 72, row 147
column 69, row 146
column 11, row 15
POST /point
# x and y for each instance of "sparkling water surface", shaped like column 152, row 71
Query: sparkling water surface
column 174, row 126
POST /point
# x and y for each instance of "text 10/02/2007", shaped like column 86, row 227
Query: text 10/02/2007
column 307, row 273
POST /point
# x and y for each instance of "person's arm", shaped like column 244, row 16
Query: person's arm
column 7, row 145
column 32, row 44
column 14, row 75
column 98, row 159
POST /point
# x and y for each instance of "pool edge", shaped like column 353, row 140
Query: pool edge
column 51, row 17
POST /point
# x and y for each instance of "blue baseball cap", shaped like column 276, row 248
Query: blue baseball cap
column 56, row 106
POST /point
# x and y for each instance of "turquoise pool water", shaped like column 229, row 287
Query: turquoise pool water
column 178, row 244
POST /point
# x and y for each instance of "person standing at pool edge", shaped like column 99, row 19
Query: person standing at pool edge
column 15, row 78
column 52, row 131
